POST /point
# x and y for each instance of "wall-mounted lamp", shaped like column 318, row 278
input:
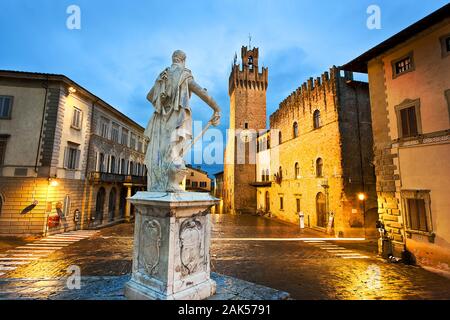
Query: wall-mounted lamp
column 72, row 90
column 53, row 182
column 361, row 196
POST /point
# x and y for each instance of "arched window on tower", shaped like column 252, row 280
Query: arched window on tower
column 316, row 119
column 250, row 62
column 295, row 130
column 280, row 138
column 297, row 171
column 319, row 168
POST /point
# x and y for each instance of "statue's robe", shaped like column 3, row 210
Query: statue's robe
column 169, row 129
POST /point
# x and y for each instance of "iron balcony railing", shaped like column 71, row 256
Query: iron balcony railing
column 116, row 178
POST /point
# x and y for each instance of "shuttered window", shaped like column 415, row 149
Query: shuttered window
column 115, row 133
column 5, row 107
column 72, row 158
column 77, row 118
column 408, row 122
column 417, row 215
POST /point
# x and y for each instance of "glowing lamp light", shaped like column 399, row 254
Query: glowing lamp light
column 361, row 196
column 53, row 183
column 72, row 90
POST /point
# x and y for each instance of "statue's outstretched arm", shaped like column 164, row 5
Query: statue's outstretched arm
column 203, row 94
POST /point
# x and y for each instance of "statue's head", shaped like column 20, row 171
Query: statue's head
column 179, row 57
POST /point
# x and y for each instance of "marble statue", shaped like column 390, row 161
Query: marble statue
column 169, row 131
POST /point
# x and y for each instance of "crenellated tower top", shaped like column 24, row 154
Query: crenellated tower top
column 246, row 75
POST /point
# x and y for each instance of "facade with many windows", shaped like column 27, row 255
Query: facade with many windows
column 316, row 158
column 409, row 90
column 61, row 158
column 197, row 180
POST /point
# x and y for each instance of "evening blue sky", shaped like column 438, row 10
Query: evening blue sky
column 123, row 45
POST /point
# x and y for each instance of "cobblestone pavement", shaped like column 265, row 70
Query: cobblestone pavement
column 35, row 250
column 112, row 288
column 274, row 254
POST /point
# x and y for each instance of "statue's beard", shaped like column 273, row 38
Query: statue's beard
column 180, row 63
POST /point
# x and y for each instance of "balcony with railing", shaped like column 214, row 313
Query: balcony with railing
column 97, row 177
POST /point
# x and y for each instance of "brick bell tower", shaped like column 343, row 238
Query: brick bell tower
column 247, row 90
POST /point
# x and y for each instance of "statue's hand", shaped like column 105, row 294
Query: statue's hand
column 215, row 120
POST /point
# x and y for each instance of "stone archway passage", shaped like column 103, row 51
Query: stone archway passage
column 123, row 202
column 100, row 205
column 112, row 204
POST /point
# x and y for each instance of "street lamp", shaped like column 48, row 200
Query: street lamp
column 362, row 197
column 53, row 182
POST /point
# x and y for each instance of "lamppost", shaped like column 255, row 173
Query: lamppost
column 362, row 197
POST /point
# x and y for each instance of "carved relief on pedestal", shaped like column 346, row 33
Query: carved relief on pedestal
column 150, row 242
column 191, row 246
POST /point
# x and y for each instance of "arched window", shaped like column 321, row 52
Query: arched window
column 280, row 172
column 122, row 167
column 268, row 142
column 263, row 176
column 113, row 164
column 267, row 175
column 316, row 119
column 280, row 140
column 102, row 162
column 321, row 210
column 131, row 168
column 295, row 129
column 319, row 168
column 297, row 171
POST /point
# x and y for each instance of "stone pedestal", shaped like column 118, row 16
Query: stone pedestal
column 171, row 258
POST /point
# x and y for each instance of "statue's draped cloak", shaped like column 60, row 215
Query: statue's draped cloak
column 170, row 126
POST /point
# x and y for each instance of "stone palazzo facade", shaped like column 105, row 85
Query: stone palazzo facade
column 68, row 160
column 316, row 158
column 409, row 78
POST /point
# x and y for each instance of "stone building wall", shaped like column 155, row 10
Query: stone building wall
column 336, row 97
column 18, row 194
column 247, row 89
column 420, row 163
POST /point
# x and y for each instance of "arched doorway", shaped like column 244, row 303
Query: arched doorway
column 267, row 201
column 100, row 205
column 321, row 210
column 123, row 202
column 112, row 204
